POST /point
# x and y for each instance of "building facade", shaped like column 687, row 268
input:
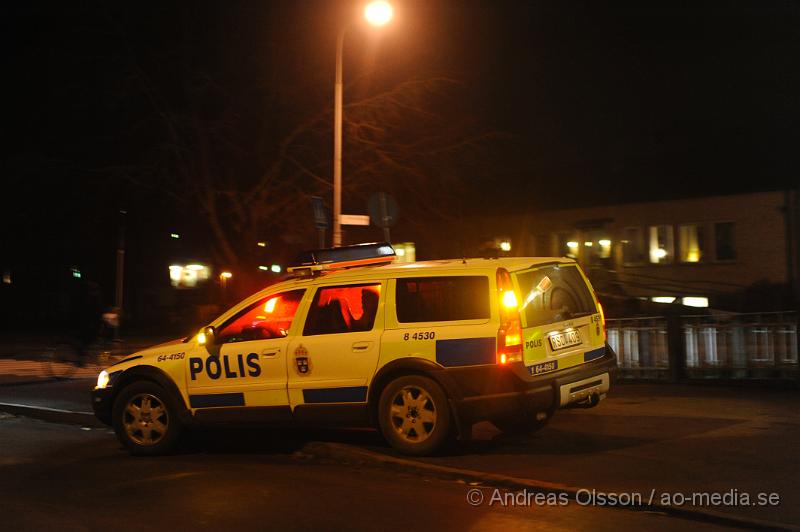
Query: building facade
column 723, row 251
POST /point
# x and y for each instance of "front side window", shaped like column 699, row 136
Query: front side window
column 554, row 293
column 343, row 309
column 661, row 244
column 268, row 318
column 421, row 299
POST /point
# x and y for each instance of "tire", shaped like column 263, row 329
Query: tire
column 521, row 425
column 145, row 419
column 414, row 415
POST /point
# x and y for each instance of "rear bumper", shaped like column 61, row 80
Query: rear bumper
column 488, row 392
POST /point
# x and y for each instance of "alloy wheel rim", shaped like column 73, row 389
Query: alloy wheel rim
column 145, row 419
column 413, row 414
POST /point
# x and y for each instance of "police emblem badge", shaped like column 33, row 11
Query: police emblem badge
column 301, row 360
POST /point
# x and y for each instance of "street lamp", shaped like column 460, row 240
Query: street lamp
column 377, row 13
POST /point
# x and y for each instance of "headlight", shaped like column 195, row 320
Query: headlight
column 102, row 379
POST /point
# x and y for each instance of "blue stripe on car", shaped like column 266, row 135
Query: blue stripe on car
column 216, row 399
column 347, row 394
column 466, row 351
column 596, row 353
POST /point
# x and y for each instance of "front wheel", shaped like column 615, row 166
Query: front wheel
column 145, row 420
column 414, row 415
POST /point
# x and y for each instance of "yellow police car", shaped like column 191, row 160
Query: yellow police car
column 420, row 351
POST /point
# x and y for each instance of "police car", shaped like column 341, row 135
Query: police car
column 420, row 351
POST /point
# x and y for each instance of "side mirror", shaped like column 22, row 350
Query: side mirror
column 207, row 337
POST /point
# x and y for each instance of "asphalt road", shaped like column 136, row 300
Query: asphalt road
column 64, row 477
column 650, row 440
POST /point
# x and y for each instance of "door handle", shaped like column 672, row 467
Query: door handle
column 361, row 346
column 270, row 352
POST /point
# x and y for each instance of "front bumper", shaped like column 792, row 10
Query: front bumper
column 488, row 392
column 102, row 400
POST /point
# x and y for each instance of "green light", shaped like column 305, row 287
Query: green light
column 174, row 235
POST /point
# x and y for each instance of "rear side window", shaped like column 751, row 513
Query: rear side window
column 554, row 293
column 343, row 309
column 442, row 298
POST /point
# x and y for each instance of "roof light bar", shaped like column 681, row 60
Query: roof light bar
column 344, row 257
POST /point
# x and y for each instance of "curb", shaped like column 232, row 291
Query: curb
column 54, row 415
column 343, row 452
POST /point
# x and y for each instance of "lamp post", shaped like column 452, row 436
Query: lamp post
column 377, row 13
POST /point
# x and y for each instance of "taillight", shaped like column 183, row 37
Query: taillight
column 509, row 336
column 603, row 321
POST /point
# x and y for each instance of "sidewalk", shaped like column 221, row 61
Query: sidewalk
column 21, row 356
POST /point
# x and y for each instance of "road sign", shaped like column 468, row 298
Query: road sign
column 320, row 213
column 382, row 210
column 354, row 219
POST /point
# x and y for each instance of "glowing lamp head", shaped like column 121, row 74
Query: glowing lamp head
column 103, row 379
column 201, row 338
column 378, row 13
column 509, row 299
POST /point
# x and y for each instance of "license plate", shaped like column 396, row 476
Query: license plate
column 544, row 367
column 565, row 339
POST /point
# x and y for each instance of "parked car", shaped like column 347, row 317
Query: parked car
column 420, row 351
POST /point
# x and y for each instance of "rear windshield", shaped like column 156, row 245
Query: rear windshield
column 554, row 293
column 442, row 298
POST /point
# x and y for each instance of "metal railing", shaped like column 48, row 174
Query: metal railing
column 737, row 346
column 641, row 346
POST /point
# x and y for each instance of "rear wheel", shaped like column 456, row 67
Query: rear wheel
column 414, row 415
column 145, row 419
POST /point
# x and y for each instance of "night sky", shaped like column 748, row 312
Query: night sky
column 581, row 102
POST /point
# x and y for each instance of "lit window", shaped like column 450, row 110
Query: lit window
column 568, row 245
column 189, row 275
column 405, row 251
column 661, row 244
column 603, row 248
column 691, row 241
column 695, row 301
column 663, row 299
